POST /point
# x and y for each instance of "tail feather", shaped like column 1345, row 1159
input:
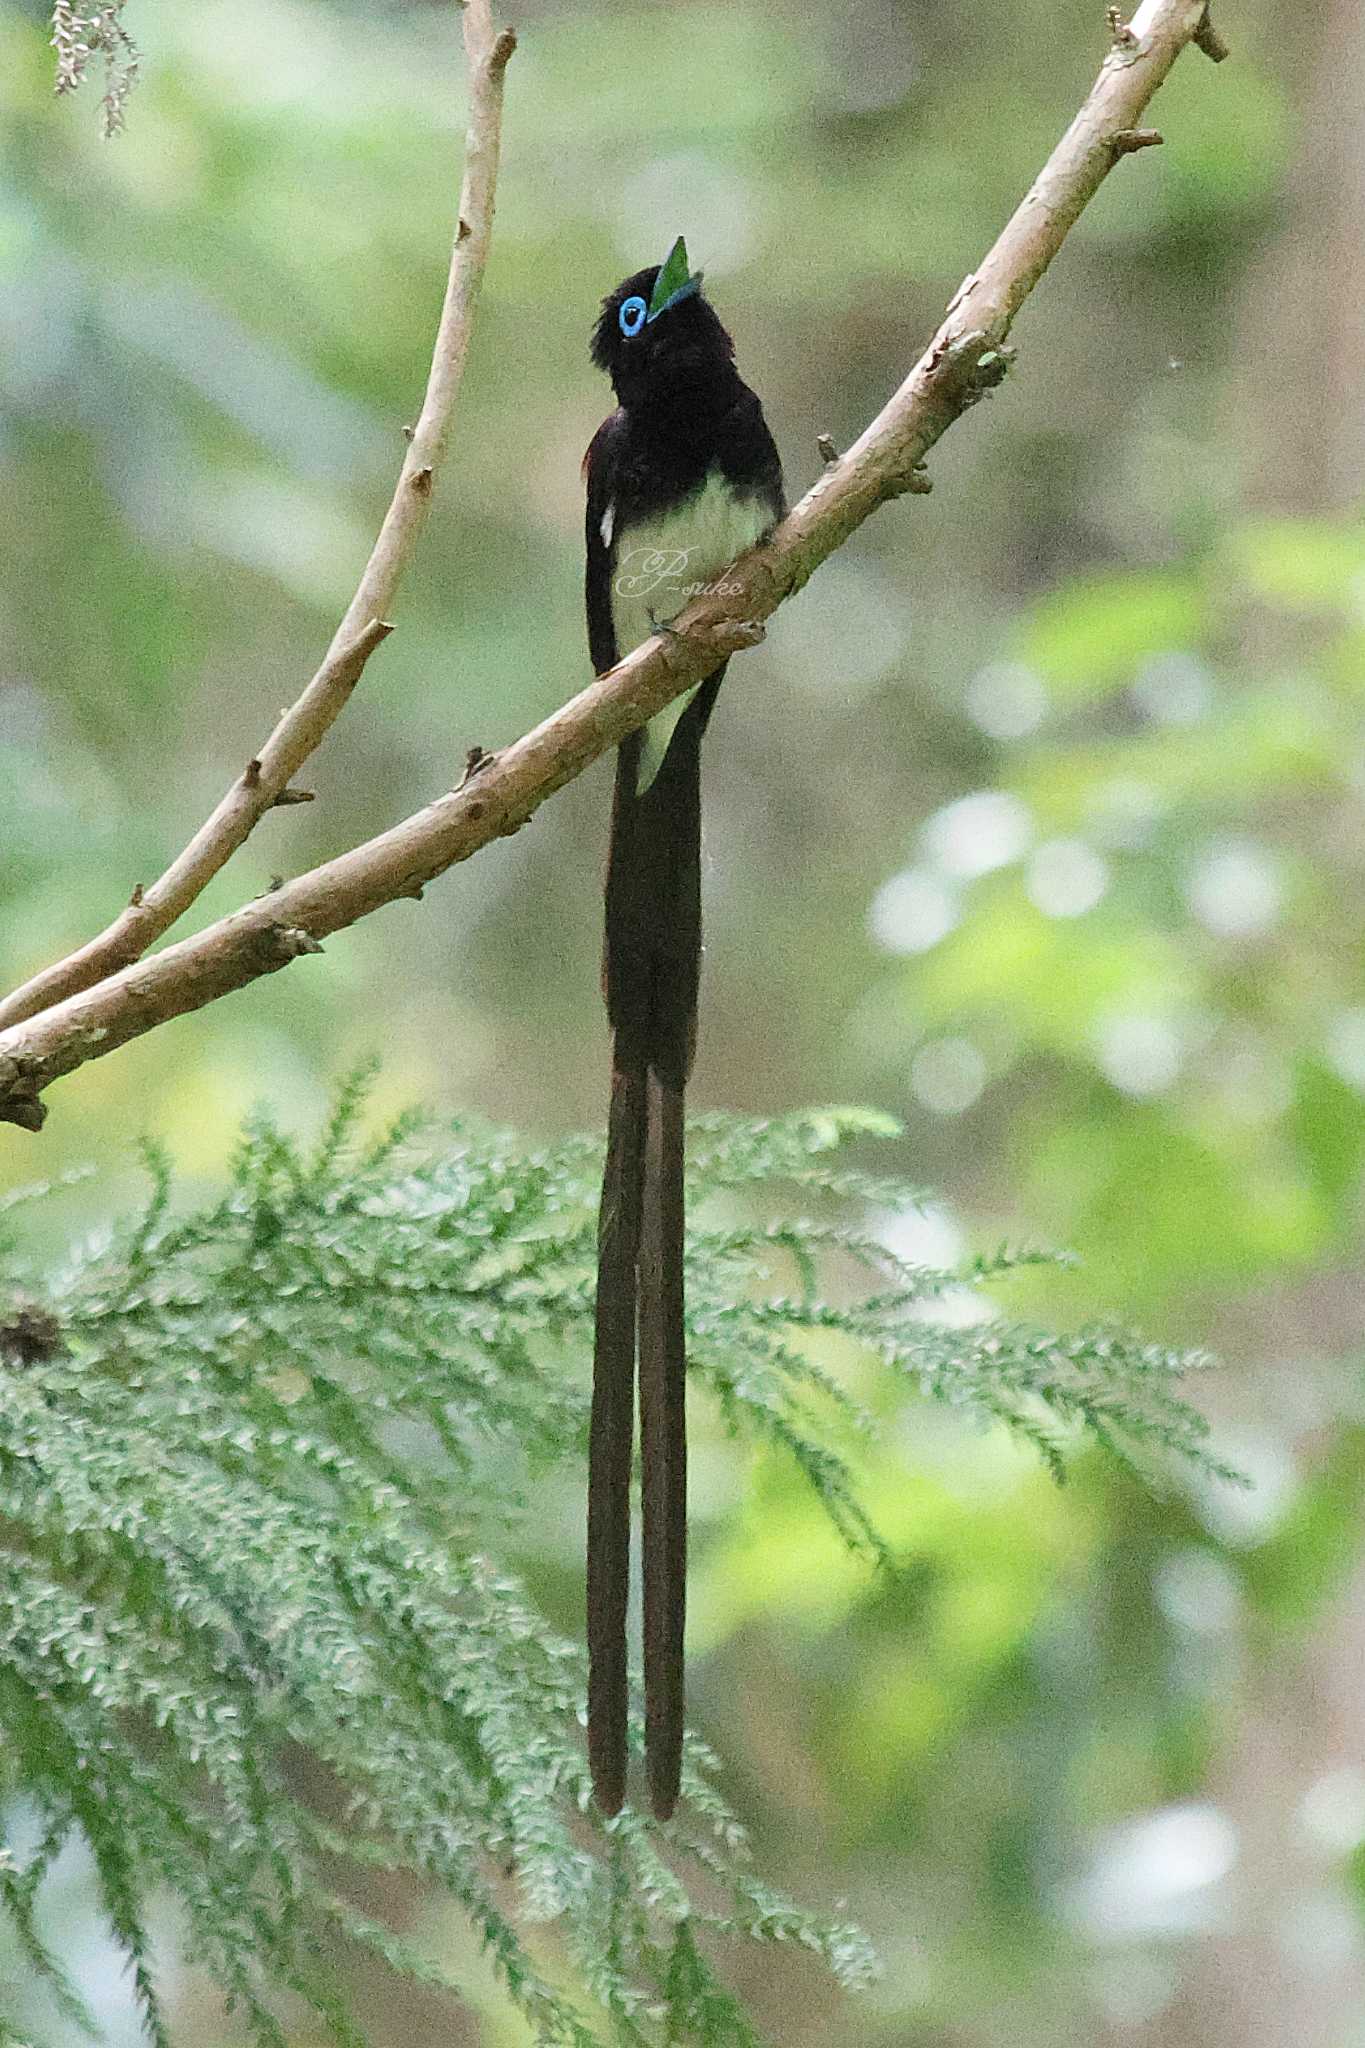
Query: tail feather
column 612, row 1429
column 663, row 1441
column 651, row 966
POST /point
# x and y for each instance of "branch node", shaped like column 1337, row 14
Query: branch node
column 475, row 761
column 967, row 286
column 420, row 480
column 464, row 231
column 913, row 480
column 1120, row 35
column 135, row 900
column 251, row 774
column 291, row 940
column 829, row 454
column 962, row 345
column 1207, row 39
column 19, row 1100
column 993, row 367
column 1129, row 139
column 502, row 50
column 288, row 797
column 408, row 432
column 742, row 632
column 980, row 373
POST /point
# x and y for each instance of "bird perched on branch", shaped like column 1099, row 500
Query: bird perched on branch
column 681, row 478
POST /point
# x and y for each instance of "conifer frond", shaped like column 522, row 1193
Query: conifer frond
column 80, row 38
column 229, row 1537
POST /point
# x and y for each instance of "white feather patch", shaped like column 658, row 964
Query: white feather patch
column 608, row 526
column 661, row 565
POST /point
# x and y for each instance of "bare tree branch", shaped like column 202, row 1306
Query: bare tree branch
column 1209, row 40
column 966, row 359
column 301, row 729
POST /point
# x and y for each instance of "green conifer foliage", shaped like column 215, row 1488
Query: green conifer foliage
column 248, row 1520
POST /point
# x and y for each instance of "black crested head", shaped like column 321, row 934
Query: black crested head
column 657, row 335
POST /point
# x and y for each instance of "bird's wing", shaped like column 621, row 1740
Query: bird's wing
column 748, row 455
column 600, row 466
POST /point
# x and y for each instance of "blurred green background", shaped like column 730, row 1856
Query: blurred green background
column 1037, row 821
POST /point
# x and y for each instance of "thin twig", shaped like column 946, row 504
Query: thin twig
column 302, row 728
column 966, row 358
column 1209, row 40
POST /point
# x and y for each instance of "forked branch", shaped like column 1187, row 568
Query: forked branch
column 301, row 729
column 966, row 358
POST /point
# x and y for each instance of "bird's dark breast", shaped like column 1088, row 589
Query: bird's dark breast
column 667, row 454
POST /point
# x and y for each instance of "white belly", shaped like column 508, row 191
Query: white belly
column 661, row 565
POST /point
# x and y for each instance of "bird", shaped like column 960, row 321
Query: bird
column 681, row 478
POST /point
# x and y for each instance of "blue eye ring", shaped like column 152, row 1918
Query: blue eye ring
column 631, row 317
